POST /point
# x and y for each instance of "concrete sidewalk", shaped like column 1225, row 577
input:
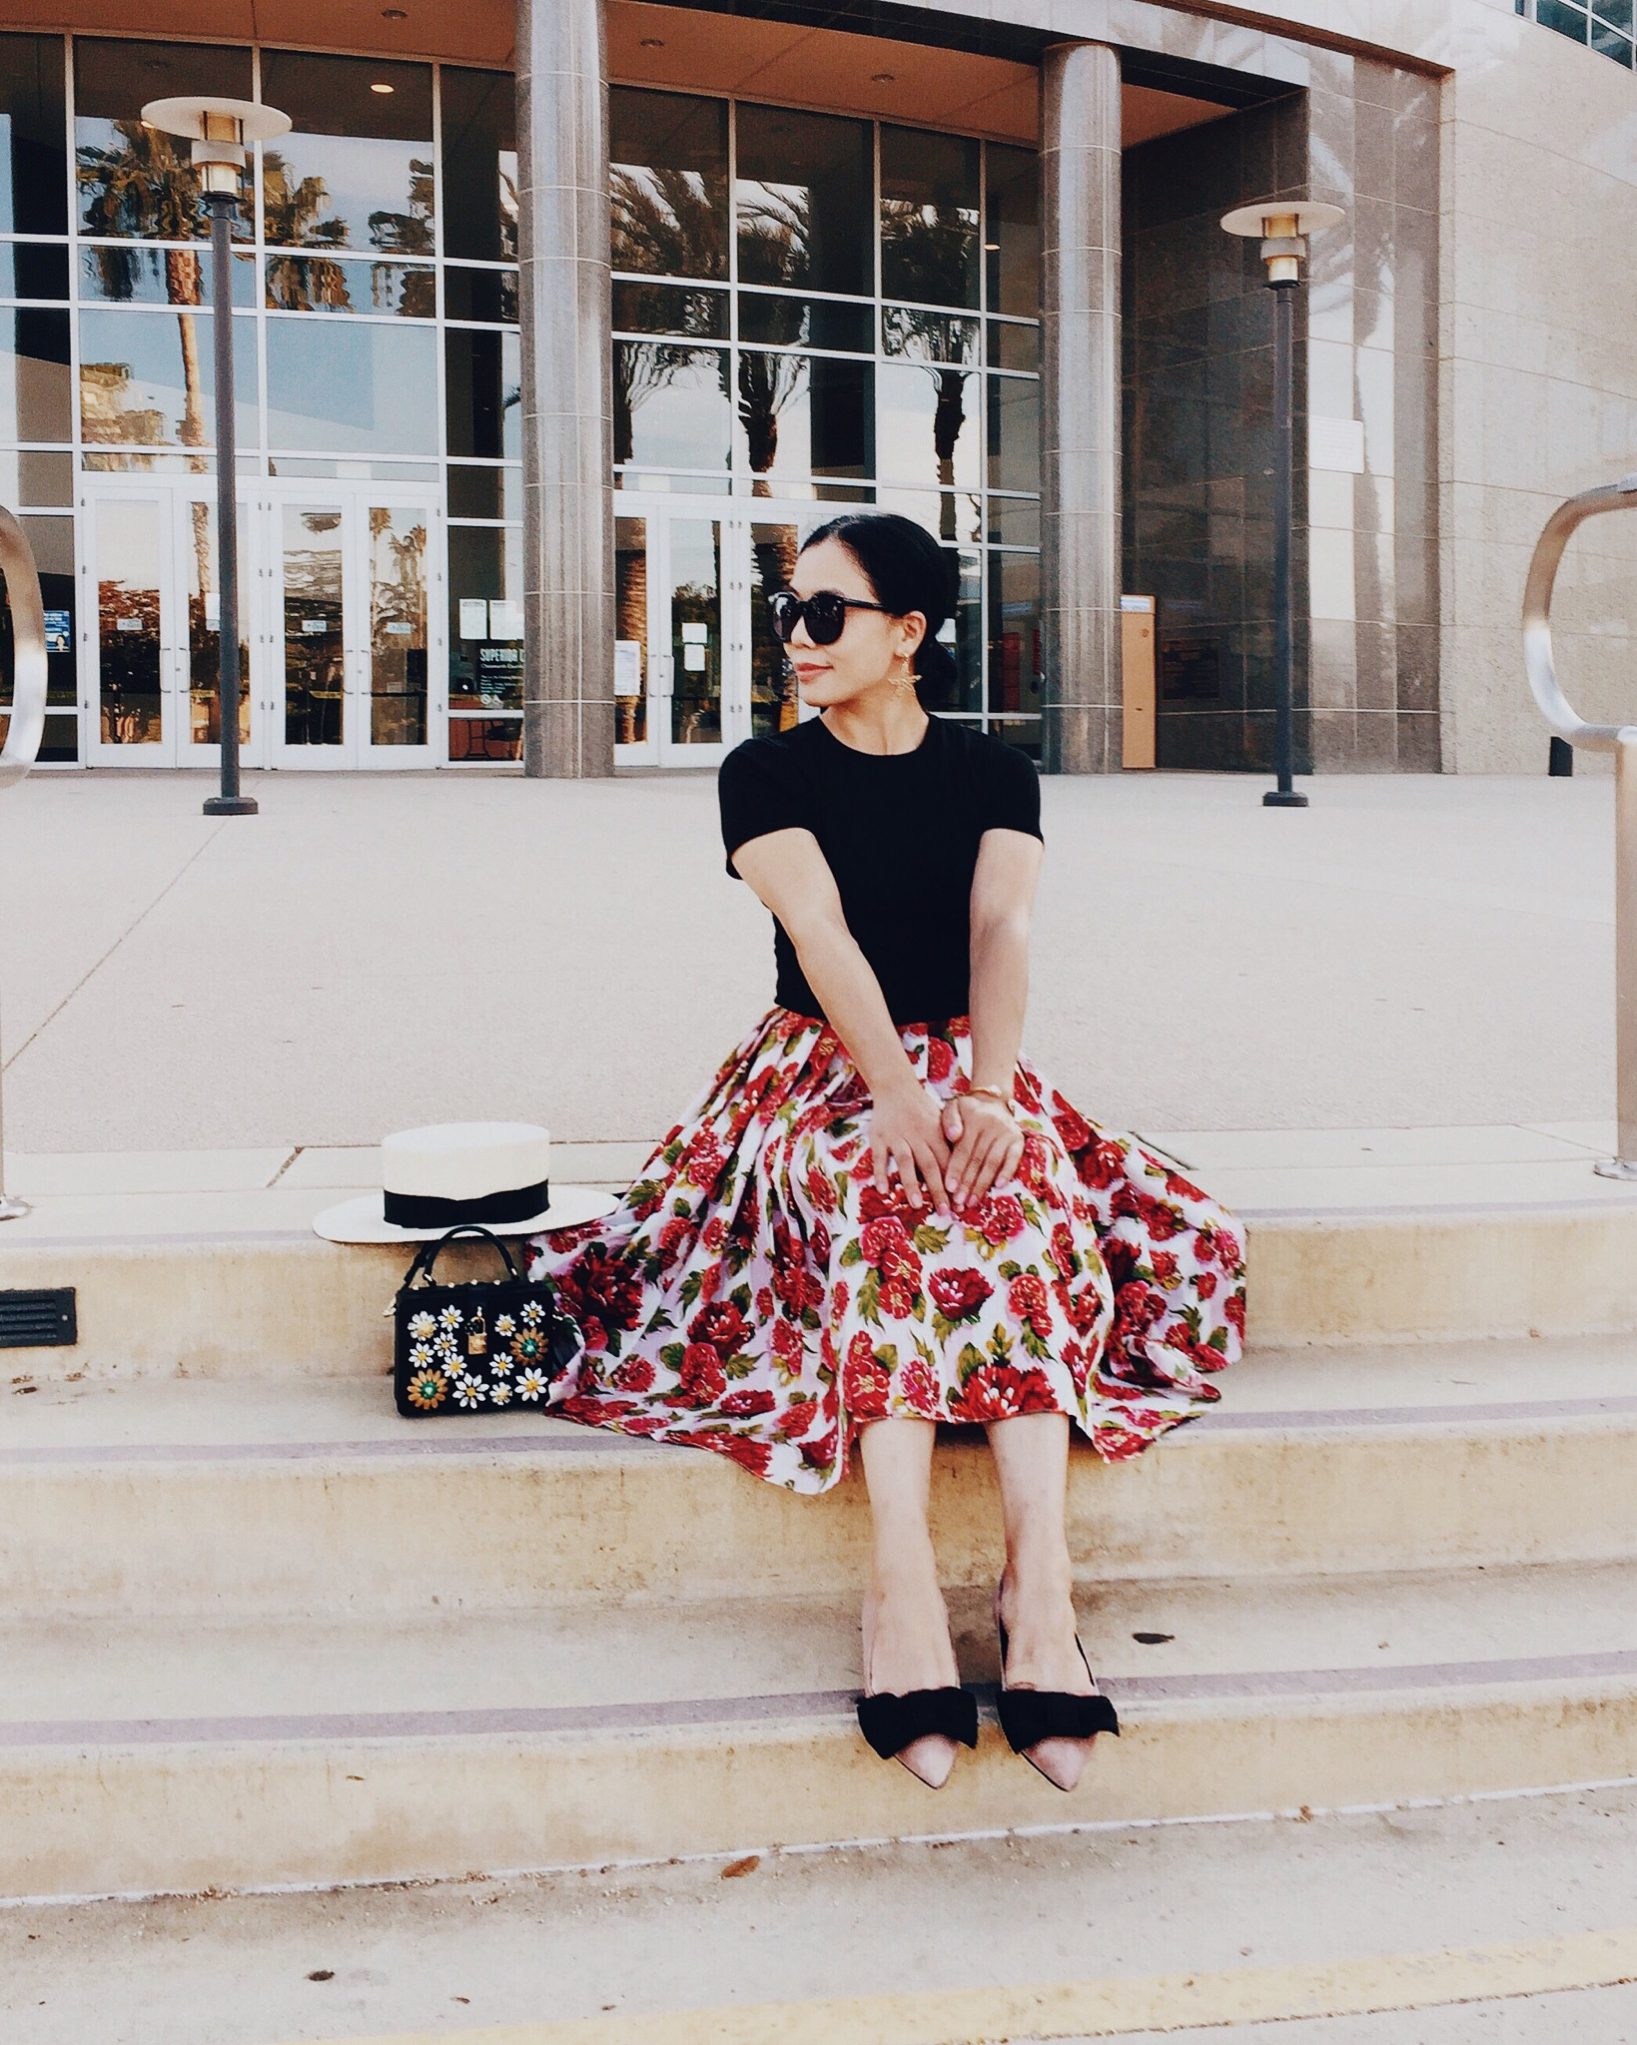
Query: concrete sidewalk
column 374, row 952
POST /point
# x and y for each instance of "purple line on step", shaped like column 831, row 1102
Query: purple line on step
column 533, row 1720
column 423, row 1438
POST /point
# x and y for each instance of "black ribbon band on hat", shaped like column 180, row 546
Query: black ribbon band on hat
column 433, row 1210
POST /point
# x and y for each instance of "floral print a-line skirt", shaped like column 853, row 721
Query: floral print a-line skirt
column 755, row 1294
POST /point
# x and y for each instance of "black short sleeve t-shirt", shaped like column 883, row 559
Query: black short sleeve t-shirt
column 900, row 833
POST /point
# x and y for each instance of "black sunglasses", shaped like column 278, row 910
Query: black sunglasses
column 825, row 613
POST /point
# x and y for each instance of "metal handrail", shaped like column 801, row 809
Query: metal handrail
column 28, row 693
column 1621, row 740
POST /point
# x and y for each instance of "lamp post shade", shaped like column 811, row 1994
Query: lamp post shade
column 1277, row 217
column 221, row 131
column 194, row 119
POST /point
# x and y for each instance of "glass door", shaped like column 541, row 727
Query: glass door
column 153, row 618
column 352, row 637
column 696, row 665
column 686, row 695
column 774, row 700
column 675, row 653
column 198, row 621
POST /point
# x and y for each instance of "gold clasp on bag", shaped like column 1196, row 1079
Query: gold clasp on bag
column 477, row 1334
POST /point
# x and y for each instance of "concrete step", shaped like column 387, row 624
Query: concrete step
column 232, row 1289
column 1463, row 1923
column 307, row 1495
column 138, row 1757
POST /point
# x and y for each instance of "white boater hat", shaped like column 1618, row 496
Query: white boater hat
column 494, row 1173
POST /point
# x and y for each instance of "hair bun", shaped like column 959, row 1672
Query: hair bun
column 934, row 662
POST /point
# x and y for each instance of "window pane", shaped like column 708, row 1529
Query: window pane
column 1012, row 230
column 1014, row 433
column 1568, row 21
column 1014, row 632
column 802, row 197
column 479, row 164
column 670, row 405
column 1617, row 13
column 1015, row 521
column 671, row 309
column 35, row 478
column 33, row 128
column 929, row 217
column 356, row 172
column 485, row 738
column 33, row 269
column 52, row 543
column 802, row 415
column 1611, row 43
column 951, row 514
column 128, row 274
column 34, row 389
column 485, row 618
column 149, row 379
column 668, row 183
column 351, row 388
column 928, row 336
column 927, row 426
column 487, row 295
column 133, row 181
column 812, row 322
column 484, row 392
column 331, row 284
column 485, row 493
column 1012, row 346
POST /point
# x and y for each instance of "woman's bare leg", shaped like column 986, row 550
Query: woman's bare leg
column 1031, row 1453
column 905, row 1620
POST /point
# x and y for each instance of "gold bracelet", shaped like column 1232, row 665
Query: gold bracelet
column 1000, row 1095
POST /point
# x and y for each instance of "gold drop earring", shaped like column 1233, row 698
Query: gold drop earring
column 901, row 681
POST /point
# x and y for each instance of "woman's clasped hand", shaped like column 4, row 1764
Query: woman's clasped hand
column 947, row 1155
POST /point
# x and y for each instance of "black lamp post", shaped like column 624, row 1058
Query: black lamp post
column 1282, row 226
column 221, row 131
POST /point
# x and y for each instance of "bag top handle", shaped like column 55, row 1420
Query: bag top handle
column 427, row 1256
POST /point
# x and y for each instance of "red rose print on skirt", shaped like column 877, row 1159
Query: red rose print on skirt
column 756, row 1295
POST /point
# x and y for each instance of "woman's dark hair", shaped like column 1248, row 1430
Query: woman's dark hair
column 907, row 571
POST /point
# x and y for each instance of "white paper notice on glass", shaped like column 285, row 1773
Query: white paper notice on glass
column 213, row 610
column 505, row 619
column 315, row 624
column 128, row 624
column 695, row 635
column 627, row 667
column 693, row 659
column 474, row 617
column 399, row 629
column 1336, row 444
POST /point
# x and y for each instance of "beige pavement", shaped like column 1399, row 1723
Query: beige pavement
column 1448, row 1925
column 373, row 952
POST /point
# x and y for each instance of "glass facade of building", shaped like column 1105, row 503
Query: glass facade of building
column 808, row 309
column 1606, row 25
column 813, row 310
column 378, row 402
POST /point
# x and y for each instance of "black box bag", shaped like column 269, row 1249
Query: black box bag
column 481, row 1347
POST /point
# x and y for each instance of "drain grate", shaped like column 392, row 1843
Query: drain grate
column 41, row 1319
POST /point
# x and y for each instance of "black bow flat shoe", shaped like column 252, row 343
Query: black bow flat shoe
column 1029, row 1716
column 891, row 1722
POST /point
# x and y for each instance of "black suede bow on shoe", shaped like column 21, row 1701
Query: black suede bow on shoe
column 889, row 1721
column 1029, row 1716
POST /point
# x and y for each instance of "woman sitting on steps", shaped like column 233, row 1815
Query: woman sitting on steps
column 880, row 1213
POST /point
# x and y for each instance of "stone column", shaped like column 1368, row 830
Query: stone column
column 1080, row 407
column 568, row 545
